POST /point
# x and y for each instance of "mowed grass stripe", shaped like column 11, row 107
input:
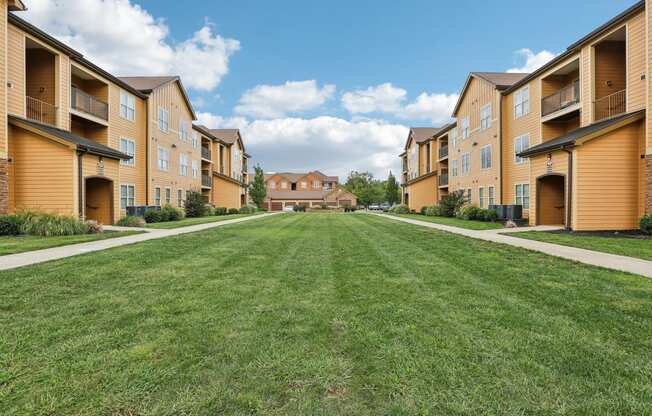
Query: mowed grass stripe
column 323, row 314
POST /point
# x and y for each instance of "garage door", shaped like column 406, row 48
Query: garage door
column 276, row 206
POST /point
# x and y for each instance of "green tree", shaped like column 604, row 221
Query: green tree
column 258, row 189
column 392, row 190
column 367, row 189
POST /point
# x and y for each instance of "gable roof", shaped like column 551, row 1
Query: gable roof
column 575, row 46
column 147, row 84
column 81, row 143
column 592, row 130
column 229, row 136
column 295, row 176
column 500, row 81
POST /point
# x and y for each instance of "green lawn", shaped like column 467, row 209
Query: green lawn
column 194, row 221
column 323, row 314
column 633, row 247
column 20, row 244
column 455, row 222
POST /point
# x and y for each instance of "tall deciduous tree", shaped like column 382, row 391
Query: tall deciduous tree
column 258, row 189
column 367, row 189
column 392, row 190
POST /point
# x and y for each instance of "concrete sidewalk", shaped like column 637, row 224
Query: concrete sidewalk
column 593, row 258
column 13, row 261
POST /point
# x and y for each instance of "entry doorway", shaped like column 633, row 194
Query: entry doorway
column 551, row 200
column 99, row 200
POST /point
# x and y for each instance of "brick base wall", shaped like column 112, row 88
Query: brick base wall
column 648, row 183
column 4, row 186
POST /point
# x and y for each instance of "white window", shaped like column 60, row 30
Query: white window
column 466, row 163
column 128, row 146
column 168, row 196
column 163, row 119
column 481, row 197
column 492, row 200
column 180, row 198
column 157, row 196
column 195, row 139
column 521, row 144
column 195, row 169
column 163, row 159
column 272, row 185
column 127, row 105
column 127, row 196
column 452, row 136
column 453, row 167
column 284, row 185
column 183, row 130
column 485, row 117
column 304, row 185
column 468, row 195
column 316, row 184
column 183, row 164
column 485, row 157
column 522, row 102
column 465, row 128
column 522, row 195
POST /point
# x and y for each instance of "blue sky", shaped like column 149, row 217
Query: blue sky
column 329, row 85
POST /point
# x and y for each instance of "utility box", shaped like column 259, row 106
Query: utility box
column 139, row 210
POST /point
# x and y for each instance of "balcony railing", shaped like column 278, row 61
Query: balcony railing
column 79, row 100
column 206, row 180
column 206, row 153
column 443, row 179
column 443, row 152
column 561, row 99
column 41, row 111
column 610, row 106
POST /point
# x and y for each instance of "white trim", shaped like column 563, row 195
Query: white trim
column 491, row 157
column 131, row 162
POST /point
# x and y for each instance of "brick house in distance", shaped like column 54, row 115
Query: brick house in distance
column 311, row 189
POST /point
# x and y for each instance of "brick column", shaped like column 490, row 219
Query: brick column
column 648, row 183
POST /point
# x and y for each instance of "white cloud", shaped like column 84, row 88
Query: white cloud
column 214, row 121
column 332, row 144
column 388, row 99
column 533, row 61
column 381, row 98
column 273, row 101
column 125, row 39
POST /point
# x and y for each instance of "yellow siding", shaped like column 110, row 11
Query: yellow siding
column 41, row 174
column 586, row 93
column 108, row 169
column 16, row 72
column 4, row 133
column 225, row 193
column 422, row 193
column 636, row 63
column 539, row 167
column 607, row 181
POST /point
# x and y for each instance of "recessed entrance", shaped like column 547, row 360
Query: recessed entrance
column 551, row 200
column 99, row 200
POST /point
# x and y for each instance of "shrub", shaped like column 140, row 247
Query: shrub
column 299, row 208
column 131, row 221
column 94, row 227
column 490, row 215
column 10, row 225
column 233, row 211
column 195, row 206
column 423, row 209
column 451, row 203
column 153, row 215
column 433, row 211
column 400, row 209
column 209, row 210
column 646, row 224
column 350, row 208
column 248, row 209
column 47, row 225
column 220, row 211
column 470, row 212
column 170, row 213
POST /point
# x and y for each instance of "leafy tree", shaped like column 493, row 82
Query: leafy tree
column 392, row 190
column 367, row 189
column 195, row 205
column 258, row 190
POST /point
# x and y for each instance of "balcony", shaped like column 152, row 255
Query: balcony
column 206, row 180
column 205, row 153
column 443, row 152
column 564, row 98
column 81, row 101
column 443, row 180
column 610, row 106
column 41, row 111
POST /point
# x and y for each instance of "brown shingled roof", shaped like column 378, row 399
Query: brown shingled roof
column 228, row 135
column 423, row 134
column 148, row 84
column 501, row 80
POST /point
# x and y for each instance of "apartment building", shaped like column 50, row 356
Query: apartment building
column 571, row 143
column 76, row 140
column 425, row 166
column 310, row 189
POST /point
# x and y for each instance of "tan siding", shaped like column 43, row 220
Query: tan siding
column 4, row 133
column 423, row 193
column 109, row 169
column 225, row 193
column 42, row 174
column 586, row 96
column 636, row 63
column 16, row 72
column 539, row 167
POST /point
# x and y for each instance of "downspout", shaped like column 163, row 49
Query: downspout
column 80, row 182
column 147, row 158
column 500, row 145
column 569, row 203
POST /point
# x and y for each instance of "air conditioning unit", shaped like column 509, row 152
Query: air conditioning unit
column 139, row 210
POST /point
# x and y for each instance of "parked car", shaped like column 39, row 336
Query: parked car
column 375, row 207
column 288, row 208
column 385, row 206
